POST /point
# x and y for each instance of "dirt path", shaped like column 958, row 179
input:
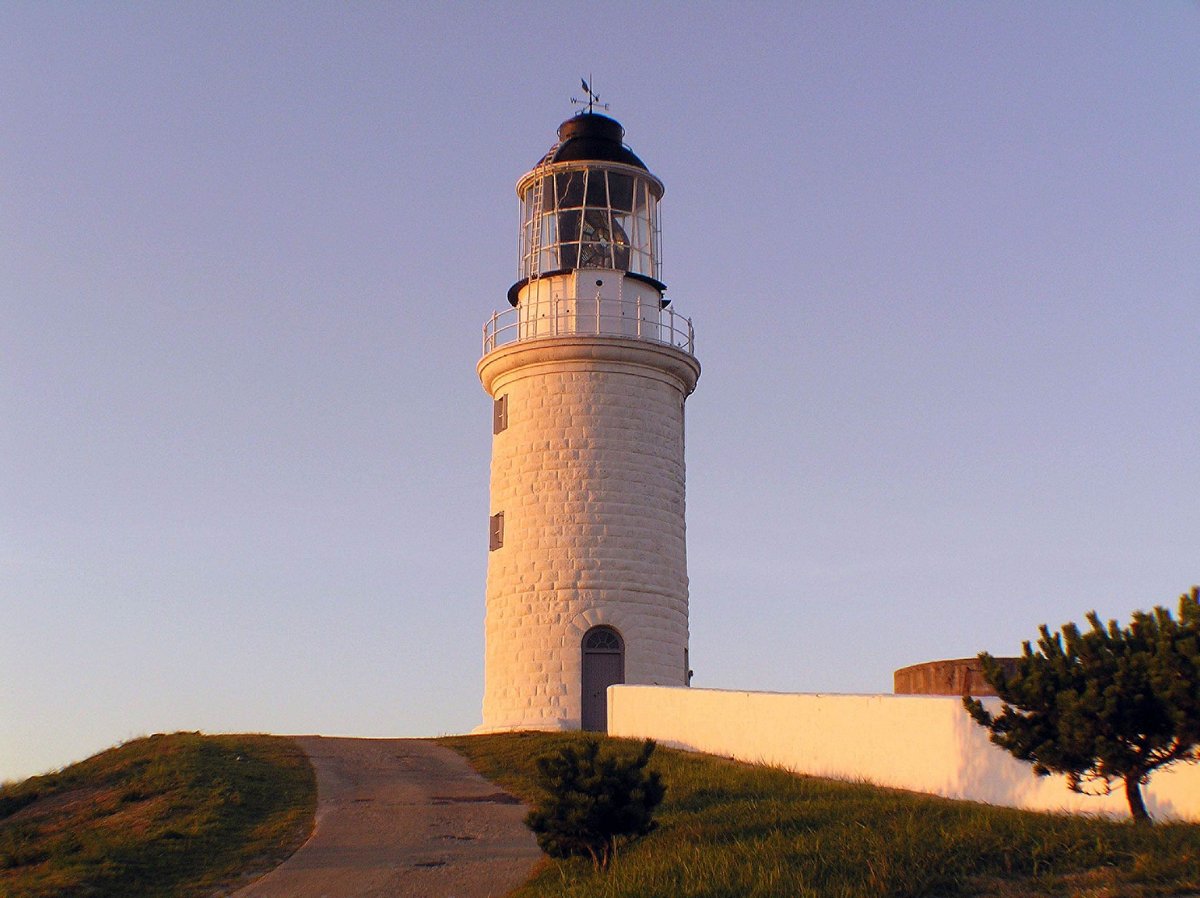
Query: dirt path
column 401, row 818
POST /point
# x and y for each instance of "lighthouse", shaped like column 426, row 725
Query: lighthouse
column 588, row 370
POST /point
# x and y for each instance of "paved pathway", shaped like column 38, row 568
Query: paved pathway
column 402, row 818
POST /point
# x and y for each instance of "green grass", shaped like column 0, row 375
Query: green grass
column 731, row 830
column 181, row 815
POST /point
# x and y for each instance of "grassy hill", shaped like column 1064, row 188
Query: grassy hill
column 731, row 830
column 189, row 815
column 181, row 815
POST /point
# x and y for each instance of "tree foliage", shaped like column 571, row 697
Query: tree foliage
column 1108, row 704
column 594, row 800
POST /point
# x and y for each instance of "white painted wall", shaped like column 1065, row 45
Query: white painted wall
column 917, row 742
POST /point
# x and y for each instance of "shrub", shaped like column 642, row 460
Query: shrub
column 594, row 800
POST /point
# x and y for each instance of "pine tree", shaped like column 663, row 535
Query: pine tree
column 1109, row 704
column 594, row 800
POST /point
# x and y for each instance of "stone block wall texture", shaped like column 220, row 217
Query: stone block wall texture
column 922, row 743
column 589, row 475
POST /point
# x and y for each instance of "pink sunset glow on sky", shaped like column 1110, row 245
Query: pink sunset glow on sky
column 943, row 262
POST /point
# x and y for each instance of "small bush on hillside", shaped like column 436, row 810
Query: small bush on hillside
column 594, row 800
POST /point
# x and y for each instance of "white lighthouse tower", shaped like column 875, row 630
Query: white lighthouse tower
column 587, row 568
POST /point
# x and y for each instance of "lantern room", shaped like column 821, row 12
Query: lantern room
column 589, row 205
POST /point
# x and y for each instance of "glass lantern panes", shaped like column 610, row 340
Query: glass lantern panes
column 590, row 217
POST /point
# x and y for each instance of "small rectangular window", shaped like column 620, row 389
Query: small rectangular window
column 496, row 531
column 500, row 413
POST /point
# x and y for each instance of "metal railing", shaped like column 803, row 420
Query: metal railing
column 589, row 316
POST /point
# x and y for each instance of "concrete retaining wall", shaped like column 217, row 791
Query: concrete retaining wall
column 922, row 743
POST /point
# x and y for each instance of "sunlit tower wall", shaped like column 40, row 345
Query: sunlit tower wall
column 588, row 372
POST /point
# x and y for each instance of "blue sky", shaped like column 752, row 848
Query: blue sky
column 943, row 262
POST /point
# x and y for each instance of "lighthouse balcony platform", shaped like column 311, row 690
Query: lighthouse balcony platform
column 596, row 316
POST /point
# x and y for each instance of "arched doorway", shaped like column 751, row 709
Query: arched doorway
column 603, row 665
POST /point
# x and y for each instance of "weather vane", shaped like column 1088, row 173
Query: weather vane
column 593, row 99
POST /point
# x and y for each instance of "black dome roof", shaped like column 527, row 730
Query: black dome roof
column 592, row 137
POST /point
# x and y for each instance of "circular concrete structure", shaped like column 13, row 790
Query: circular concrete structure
column 960, row 676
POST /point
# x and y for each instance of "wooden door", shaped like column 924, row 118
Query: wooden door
column 603, row 666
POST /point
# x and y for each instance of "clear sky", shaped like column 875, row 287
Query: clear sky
column 943, row 262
